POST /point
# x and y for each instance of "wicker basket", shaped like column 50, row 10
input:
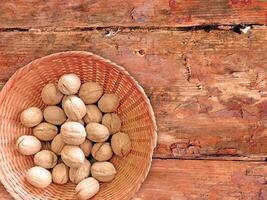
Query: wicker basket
column 23, row 90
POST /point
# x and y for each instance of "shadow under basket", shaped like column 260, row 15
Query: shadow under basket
column 24, row 90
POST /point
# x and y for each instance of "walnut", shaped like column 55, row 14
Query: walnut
column 74, row 107
column 73, row 133
column 28, row 145
column 90, row 92
column 46, row 159
column 78, row 174
column 69, row 84
column 86, row 147
column 45, row 131
column 57, row 144
column 97, row 132
column 108, row 103
column 87, row 188
column 60, row 174
column 121, row 144
column 31, row 117
column 112, row 122
column 72, row 156
column 51, row 95
column 103, row 171
column 54, row 115
column 102, row 151
column 39, row 177
column 93, row 114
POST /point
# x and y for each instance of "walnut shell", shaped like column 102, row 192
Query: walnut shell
column 64, row 100
column 28, row 145
column 39, row 177
column 72, row 156
column 90, row 92
column 108, row 103
column 97, row 132
column 112, row 122
column 45, row 131
column 121, row 144
column 93, row 114
column 57, row 144
column 69, row 84
column 31, row 117
column 80, row 121
column 51, row 95
column 73, row 133
column 78, row 174
column 86, row 147
column 103, row 171
column 46, row 159
column 54, row 115
column 102, row 151
column 60, row 174
column 74, row 107
column 87, row 188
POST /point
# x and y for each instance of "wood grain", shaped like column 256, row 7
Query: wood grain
column 73, row 14
column 208, row 90
column 200, row 180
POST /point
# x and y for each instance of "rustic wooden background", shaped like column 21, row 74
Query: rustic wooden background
column 207, row 81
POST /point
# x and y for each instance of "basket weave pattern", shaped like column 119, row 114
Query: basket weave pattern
column 23, row 90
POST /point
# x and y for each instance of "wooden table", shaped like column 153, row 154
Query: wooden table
column 207, row 82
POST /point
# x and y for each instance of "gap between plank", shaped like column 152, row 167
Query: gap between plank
column 225, row 158
column 207, row 28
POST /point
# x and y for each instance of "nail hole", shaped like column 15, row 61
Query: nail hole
column 242, row 29
column 140, row 52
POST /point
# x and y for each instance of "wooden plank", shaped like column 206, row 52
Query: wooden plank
column 200, row 180
column 208, row 90
column 145, row 13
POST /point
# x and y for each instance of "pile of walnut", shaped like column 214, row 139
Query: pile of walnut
column 79, row 121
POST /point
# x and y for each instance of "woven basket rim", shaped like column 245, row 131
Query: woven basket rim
column 27, row 68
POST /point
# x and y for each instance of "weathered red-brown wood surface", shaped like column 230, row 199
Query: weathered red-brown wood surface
column 58, row 14
column 208, row 89
column 199, row 180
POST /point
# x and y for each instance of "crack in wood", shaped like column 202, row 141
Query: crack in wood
column 188, row 69
column 241, row 113
column 215, row 158
column 184, row 57
column 207, row 28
